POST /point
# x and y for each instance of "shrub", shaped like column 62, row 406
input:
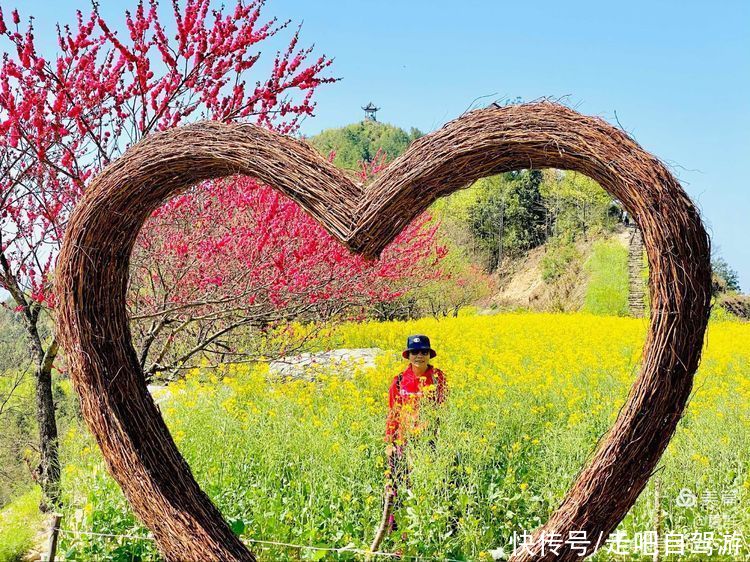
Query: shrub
column 560, row 255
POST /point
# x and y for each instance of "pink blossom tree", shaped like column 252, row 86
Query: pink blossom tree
column 237, row 257
column 65, row 115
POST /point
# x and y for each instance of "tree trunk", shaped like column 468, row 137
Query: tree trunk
column 47, row 473
column 636, row 290
column 49, row 462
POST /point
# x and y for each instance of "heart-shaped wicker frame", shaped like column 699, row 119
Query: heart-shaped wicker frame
column 92, row 275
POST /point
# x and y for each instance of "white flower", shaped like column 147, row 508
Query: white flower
column 498, row 554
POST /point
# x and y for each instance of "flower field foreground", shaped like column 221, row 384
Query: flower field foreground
column 529, row 396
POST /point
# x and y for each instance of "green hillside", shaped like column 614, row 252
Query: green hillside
column 361, row 141
column 519, row 239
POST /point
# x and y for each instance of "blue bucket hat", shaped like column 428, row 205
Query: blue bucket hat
column 417, row 342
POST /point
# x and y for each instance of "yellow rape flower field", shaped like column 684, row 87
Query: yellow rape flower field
column 302, row 462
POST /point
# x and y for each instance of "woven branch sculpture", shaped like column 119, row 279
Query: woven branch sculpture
column 92, row 275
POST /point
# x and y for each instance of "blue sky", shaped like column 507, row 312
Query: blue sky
column 676, row 74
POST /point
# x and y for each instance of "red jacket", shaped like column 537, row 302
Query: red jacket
column 401, row 419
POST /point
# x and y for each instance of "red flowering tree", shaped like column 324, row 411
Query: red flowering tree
column 235, row 258
column 65, row 115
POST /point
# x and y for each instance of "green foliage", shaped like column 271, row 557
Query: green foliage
column 607, row 291
column 721, row 314
column 13, row 342
column 561, row 253
column 17, row 435
column 454, row 231
column 18, row 445
column 508, row 215
column 514, row 212
column 462, row 285
column 576, row 204
column 19, row 522
column 725, row 277
column 16, row 406
column 361, row 141
column 455, row 208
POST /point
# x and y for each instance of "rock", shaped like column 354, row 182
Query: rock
column 307, row 366
column 160, row 393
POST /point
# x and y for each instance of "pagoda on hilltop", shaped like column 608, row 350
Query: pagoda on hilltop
column 370, row 110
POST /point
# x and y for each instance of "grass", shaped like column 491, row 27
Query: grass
column 530, row 395
column 19, row 523
column 607, row 290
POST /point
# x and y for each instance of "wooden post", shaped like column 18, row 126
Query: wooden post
column 52, row 544
column 383, row 527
